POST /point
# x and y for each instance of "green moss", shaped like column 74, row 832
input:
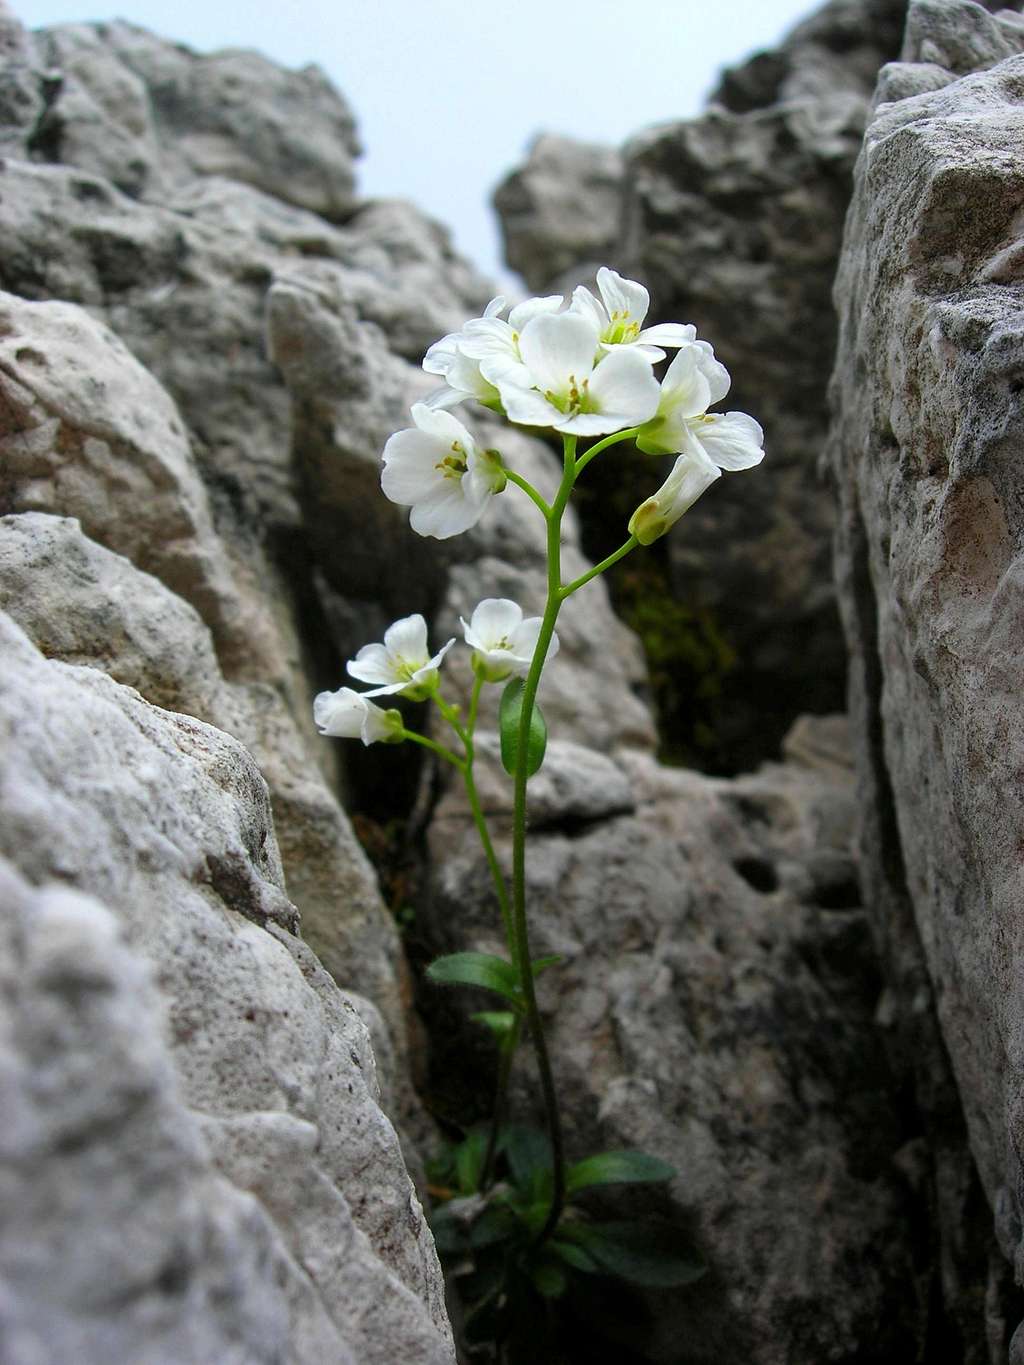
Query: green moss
column 688, row 659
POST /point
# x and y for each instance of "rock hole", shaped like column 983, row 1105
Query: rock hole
column 758, row 873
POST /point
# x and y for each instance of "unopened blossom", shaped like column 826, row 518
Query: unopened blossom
column 503, row 642
column 559, row 382
column 438, row 470
column 691, row 474
column 346, row 714
column 619, row 314
column 694, row 381
column 403, row 663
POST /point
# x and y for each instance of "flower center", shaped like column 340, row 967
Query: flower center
column 453, row 466
column 575, row 399
column 621, row 329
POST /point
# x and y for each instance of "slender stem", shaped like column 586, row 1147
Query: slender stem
column 446, row 754
column 508, row 1052
column 529, row 490
column 523, row 964
column 620, row 553
column 588, row 455
column 480, row 821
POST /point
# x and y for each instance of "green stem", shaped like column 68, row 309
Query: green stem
column 480, row 821
column 588, row 455
column 529, row 490
column 432, row 744
column 508, row 1052
column 523, row 964
column 620, row 553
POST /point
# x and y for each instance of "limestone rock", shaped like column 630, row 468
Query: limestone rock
column 928, row 426
column 148, row 115
column 234, row 1099
column 83, row 604
column 561, row 207
column 715, row 1006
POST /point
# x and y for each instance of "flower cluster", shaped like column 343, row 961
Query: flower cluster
column 583, row 367
column 502, row 643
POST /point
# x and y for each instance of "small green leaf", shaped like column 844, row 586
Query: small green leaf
column 541, row 964
column 500, row 1022
column 509, row 716
column 575, row 1256
column 550, row 1279
column 469, row 1161
column 477, row 969
column 655, row 1255
column 617, row 1168
column 528, row 1153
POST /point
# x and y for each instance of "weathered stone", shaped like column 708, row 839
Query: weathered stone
column 84, row 605
column 559, row 209
column 715, row 1006
column 21, row 96
column 311, row 1219
column 928, row 425
column 149, row 115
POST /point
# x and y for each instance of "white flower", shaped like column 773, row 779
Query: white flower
column 403, row 663
column 438, row 470
column 559, row 384
column 503, row 643
column 457, row 356
column 694, row 381
column 618, row 316
column 348, row 715
column 691, row 474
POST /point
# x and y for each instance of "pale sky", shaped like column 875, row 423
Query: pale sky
column 448, row 93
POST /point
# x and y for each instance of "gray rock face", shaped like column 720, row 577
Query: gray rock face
column 715, row 1006
column 928, row 426
column 560, row 208
column 149, row 115
column 195, row 1160
column 734, row 221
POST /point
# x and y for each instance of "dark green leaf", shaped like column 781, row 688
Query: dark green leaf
column 528, row 1153
column 655, row 1255
column 550, row 1279
column 477, row 969
column 469, row 1161
column 494, row 1225
column 575, row 1256
column 617, row 1168
column 448, row 1232
column 509, row 717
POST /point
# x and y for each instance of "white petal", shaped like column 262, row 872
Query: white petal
column 432, row 664
column 733, row 440
column 531, row 308
column 335, row 713
column 441, row 425
column 372, row 664
column 410, row 466
column 446, row 398
column 375, row 724
column 441, row 354
column 494, row 619
column 523, row 640
column 555, row 346
column 670, row 334
column 624, row 384
column 584, row 303
column 713, row 371
column 488, row 336
column 685, row 391
column 445, row 513
column 407, row 639
column 495, row 306
column 625, row 297
column 528, row 407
